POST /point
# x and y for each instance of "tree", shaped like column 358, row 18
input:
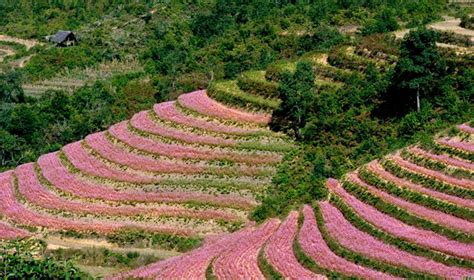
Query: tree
column 20, row 261
column 10, row 87
column 418, row 72
column 385, row 21
column 296, row 93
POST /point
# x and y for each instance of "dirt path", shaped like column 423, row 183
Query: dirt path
column 453, row 25
column 27, row 43
column 22, row 61
column 4, row 52
column 448, row 24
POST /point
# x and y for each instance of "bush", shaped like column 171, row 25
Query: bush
column 383, row 22
column 160, row 240
column 467, row 21
column 23, row 260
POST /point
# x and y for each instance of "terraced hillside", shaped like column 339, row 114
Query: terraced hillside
column 409, row 215
column 70, row 80
column 174, row 174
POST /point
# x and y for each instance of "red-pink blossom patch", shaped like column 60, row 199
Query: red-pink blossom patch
column 437, row 217
column 167, row 111
column 399, row 229
column 199, row 101
column 358, row 241
column 313, row 244
column 378, row 170
column 279, row 251
column 143, row 122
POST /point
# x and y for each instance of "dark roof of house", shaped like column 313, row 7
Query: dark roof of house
column 61, row 36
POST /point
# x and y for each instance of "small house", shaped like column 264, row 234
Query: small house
column 64, row 38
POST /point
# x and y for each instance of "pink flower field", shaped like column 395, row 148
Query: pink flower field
column 358, row 241
column 121, row 132
column 177, row 192
column 168, row 111
column 463, row 146
column 199, row 101
column 378, row 170
column 438, row 217
column 315, row 247
column 279, row 251
column 443, row 158
column 395, row 227
column 465, row 183
column 466, row 128
column 58, row 175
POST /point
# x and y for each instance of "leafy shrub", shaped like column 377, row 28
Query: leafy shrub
column 467, row 21
column 383, row 22
column 160, row 240
column 23, row 260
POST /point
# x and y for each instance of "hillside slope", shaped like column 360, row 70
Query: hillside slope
column 168, row 177
column 409, row 215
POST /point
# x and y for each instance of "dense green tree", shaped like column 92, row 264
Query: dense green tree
column 385, row 21
column 418, row 72
column 10, row 87
column 19, row 260
column 297, row 93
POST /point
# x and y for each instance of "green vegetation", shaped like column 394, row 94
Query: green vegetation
column 266, row 268
column 182, row 46
column 419, row 73
column 467, row 21
column 159, row 240
column 101, row 257
column 367, row 118
column 24, row 260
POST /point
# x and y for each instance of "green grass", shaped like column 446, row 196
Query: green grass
column 228, row 92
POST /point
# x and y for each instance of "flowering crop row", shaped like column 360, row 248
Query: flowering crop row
column 466, row 128
column 313, row 244
column 107, row 150
column 143, row 122
column 30, row 187
column 396, row 228
column 8, row 231
column 89, row 164
column 12, row 209
column 464, row 146
column 443, row 158
column 279, row 251
column 121, row 132
column 438, row 217
column 60, row 177
column 465, row 183
column 379, row 171
column 241, row 261
column 168, row 111
column 192, row 265
column 199, row 101
column 350, row 237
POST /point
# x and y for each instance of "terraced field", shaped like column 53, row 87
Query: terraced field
column 70, row 80
column 185, row 169
column 409, row 215
column 186, row 173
